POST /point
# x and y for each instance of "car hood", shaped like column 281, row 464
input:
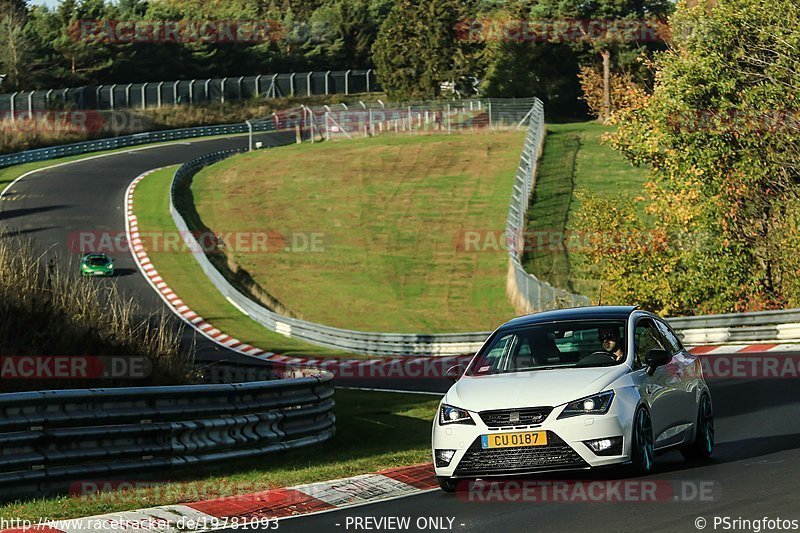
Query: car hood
column 531, row 389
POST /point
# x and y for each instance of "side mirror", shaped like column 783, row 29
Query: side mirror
column 454, row 373
column 656, row 358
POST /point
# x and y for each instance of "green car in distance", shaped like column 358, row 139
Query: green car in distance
column 97, row 265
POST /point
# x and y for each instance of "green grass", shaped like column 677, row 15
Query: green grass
column 391, row 213
column 375, row 431
column 183, row 274
column 573, row 159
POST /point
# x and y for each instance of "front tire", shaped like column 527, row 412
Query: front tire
column 703, row 445
column 642, row 446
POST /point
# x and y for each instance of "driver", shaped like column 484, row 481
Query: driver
column 611, row 342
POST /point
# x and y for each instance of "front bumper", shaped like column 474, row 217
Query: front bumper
column 565, row 448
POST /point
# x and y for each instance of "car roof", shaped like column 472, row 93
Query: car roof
column 99, row 255
column 602, row 312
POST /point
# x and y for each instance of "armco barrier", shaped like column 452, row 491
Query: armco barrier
column 53, row 438
column 126, row 141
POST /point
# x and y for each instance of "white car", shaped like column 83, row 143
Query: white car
column 573, row 389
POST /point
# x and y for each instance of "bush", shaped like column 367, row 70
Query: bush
column 48, row 310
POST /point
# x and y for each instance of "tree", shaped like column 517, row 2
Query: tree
column 16, row 47
column 721, row 138
column 418, row 47
column 607, row 28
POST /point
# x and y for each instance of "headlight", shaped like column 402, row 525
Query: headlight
column 597, row 404
column 453, row 415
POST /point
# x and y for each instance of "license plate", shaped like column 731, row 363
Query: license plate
column 513, row 440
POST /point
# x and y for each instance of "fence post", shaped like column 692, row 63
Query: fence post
column 175, row 93
column 258, row 85
column 222, row 90
column 274, row 86
column 97, row 96
column 191, row 91
column 144, row 96
column 347, row 82
column 291, row 84
column 205, row 88
column 241, row 79
column 30, row 105
column 128, row 95
column 369, row 72
column 489, row 107
column 47, row 98
column 448, row 117
column 308, row 84
column 160, row 102
column 327, row 82
column 111, row 95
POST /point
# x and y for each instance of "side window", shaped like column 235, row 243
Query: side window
column 671, row 339
column 646, row 338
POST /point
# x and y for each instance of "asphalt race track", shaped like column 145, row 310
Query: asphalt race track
column 52, row 206
column 758, row 420
column 753, row 476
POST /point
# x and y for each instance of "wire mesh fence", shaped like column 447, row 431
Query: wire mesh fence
column 528, row 293
column 200, row 91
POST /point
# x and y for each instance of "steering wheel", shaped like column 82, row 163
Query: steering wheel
column 597, row 353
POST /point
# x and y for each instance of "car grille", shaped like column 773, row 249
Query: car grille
column 556, row 454
column 515, row 417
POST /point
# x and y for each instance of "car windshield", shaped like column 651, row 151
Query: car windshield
column 98, row 260
column 567, row 344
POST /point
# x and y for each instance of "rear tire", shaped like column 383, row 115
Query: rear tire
column 703, row 445
column 642, row 447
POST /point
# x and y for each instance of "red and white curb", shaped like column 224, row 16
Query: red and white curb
column 744, row 348
column 252, row 510
column 155, row 280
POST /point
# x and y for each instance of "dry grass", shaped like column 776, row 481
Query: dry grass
column 46, row 309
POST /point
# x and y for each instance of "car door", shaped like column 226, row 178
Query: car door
column 686, row 372
column 661, row 391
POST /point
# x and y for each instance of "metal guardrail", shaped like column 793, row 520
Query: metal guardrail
column 53, row 438
column 126, row 141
